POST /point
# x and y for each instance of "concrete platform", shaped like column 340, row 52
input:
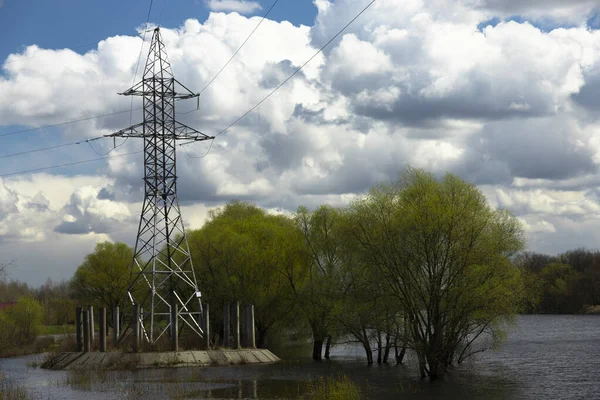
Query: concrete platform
column 116, row 360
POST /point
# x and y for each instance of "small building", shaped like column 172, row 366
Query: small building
column 6, row 304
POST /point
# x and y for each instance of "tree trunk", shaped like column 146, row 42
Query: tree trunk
column 400, row 357
column 317, row 349
column 388, row 344
column 379, row 347
column 369, row 353
column 327, row 347
column 367, row 346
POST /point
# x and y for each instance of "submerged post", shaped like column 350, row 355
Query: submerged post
column 206, row 325
column 116, row 321
column 174, row 327
column 236, row 325
column 91, row 317
column 136, row 329
column 226, row 325
column 251, row 341
column 86, row 332
column 102, row 323
column 79, row 328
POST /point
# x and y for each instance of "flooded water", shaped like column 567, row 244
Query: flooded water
column 544, row 357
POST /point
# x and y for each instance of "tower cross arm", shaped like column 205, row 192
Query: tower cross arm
column 185, row 132
column 181, row 132
column 149, row 85
column 136, row 130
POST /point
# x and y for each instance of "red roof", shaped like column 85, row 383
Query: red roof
column 7, row 304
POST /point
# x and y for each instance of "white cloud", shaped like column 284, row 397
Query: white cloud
column 240, row 6
column 510, row 107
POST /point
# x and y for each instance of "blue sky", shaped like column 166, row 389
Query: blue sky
column 73, row 23
column 411, row 82
column 79, row 26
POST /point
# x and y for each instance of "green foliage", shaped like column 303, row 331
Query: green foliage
column 56, row 329
column 20, row 324
column 321, row 292
column 566, row 283
column 244, row 254
column 443, row 254
column 339, row 388
column 102, row 279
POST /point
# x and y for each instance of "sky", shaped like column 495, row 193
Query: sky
column 502, row 93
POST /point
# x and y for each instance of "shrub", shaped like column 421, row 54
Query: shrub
column 20, row 324
column 340, row 388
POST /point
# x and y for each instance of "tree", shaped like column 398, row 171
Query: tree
column 102, row 279
column 559, row 281
column 322, row 246
column 244, row 254
column 443, row 254
column 21, row 323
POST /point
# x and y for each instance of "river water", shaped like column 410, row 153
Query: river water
column 544, row 357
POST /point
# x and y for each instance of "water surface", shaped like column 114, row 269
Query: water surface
column 544, row 357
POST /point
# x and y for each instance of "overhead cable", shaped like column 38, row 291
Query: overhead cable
column 50, row 147
column 68, row 164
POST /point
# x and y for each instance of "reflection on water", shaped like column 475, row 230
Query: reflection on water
column 544, row 357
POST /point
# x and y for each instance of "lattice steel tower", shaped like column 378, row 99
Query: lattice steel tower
column 162, row 273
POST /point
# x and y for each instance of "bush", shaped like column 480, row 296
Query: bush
column 20, row 324
column 340, row 388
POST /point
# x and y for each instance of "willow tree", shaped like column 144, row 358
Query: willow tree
column 102, row 279
column 443, row 253
column 243, row 253
column 323, row 247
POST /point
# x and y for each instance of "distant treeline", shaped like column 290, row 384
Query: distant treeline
column 568, row 283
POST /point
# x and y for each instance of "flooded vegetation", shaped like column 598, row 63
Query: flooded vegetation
column 543, row 357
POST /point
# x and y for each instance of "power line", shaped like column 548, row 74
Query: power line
column 137, row 66
column 297, row 70
column 68, row 122
column 130, row 110
column 161, row 12
column 285, row 81
column 51, row 147
column 203, row 155
column 239, row 48
column 68, row 164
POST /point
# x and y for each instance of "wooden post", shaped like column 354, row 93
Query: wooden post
column 206, row 325
column 174, row 327
column 251, row 342
column 226, row 328
column 136, row 329
column 102, row 323
column 236, row 325
column 91, row 328
column 116, row 330
column 79, row 328
column 86, row 332
column 141, row 330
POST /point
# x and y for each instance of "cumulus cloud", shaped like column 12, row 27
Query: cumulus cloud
column 574, row 11
column 427, row 83
column 240, row 6
column 87, row 212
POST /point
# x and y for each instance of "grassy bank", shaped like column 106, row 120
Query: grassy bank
column 56, row 329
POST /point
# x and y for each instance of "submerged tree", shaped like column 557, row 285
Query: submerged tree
column 444, row 255
column 321, row 291
column 244, row 254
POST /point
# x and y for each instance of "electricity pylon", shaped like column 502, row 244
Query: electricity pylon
column 162, row 274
